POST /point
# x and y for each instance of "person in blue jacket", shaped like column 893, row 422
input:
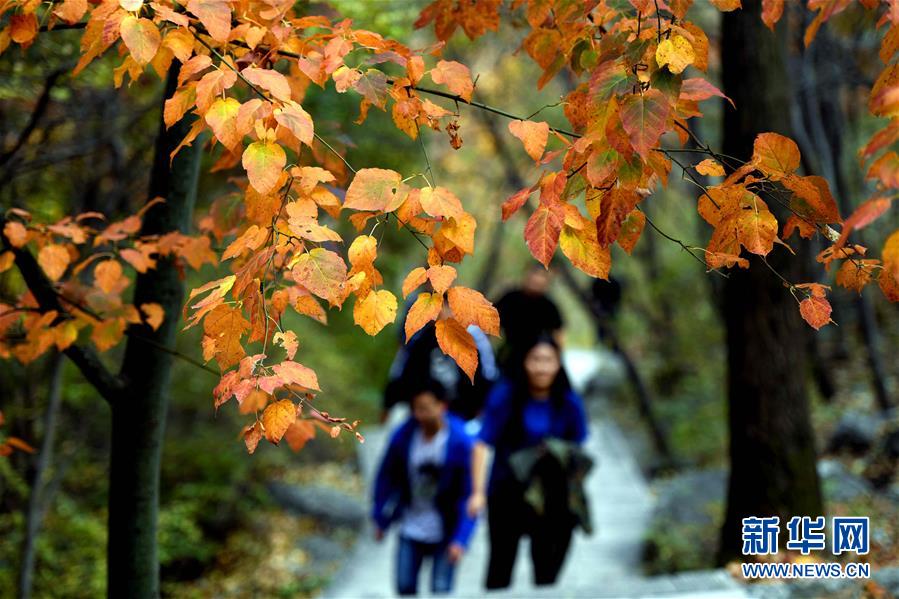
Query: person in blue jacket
column 423, row 486
column 531, row 404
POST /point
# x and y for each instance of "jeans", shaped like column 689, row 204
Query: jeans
column 409, row 558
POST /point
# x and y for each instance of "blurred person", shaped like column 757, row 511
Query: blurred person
column 423, row 485
column 533, row 417
column 526, row 312
column 422, row 359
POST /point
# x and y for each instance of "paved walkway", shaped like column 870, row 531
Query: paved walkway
column 604, row 565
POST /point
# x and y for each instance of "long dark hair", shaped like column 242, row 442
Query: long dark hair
column 521, row 390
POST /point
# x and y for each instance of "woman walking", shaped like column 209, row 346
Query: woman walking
column 535, row 422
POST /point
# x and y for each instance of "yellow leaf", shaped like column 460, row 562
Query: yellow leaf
column 277, row 418
column 676, row 53
column 375, row 311
column 710, row 168
column 141, row 37
column 426, row 308
column 154, row 314
column 471, row 307
column 263, row 162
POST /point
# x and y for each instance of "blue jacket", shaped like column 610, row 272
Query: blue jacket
column 392, row 492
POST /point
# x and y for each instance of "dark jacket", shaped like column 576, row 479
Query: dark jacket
column 392, row 492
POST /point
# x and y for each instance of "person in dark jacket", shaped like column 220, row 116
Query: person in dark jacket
column 534, row 404
column 527, row 312
column 423, row 485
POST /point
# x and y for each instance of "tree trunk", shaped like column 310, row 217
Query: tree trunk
column 38, row 498
column 772, row 454
column 138, row 417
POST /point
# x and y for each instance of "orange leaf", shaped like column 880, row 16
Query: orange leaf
column 542, row 232
column 299, row 433
column 457, row 343
column 757, row 229
column 215, row 15
column 255, row 401
column 855, row 274
column 455, row 76
column 294, row 373
column 710, row 168
column 372, row 189
column 771, row 12
column 271, row 81
column 277, row 418
column 226, row 325
column 441, row 277
column 16, row 233
column 414, row 280
column 815, row 311
column 584, row 251
column 426, row 308
column 643, row 117
column 287, row 340
column 154, row 314
column 469, row 307
column 107, row 276
column 53, row 259
column 775, row 155
column 533, row 135
column 322, row 272
column 631, row 229
column 141, row 37
column 251, row 436
column 292, row 116
column 440, row 202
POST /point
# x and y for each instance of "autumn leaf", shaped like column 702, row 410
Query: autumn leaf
column 855, row 274
column 470, row 307
column 226, row 325
column 631, row 229
column 440, row 202
column 16, row 233
column 775, row 155
column 426, row 308
column 676, row 53
column 643, row 116
column 441, row 277
column 771, row 12
column 815, row 311
column 542, row 232
column 107, row 276
column 264, row 162
column 533, row 135
column 757, row 229
column 615, row 206
column 215, row 15
column 299, row 433
column 455, row 76
column 372, row 189
column 271, row 81
column 277, row 418
column 222, row 119
column 457, row 343
column 414, row 280
column 141, row 37
column 583, row 250
column 287, row 340
column 375, row 311
column 292, row 116
column 154, row 315
column 294, row 373
column 322, row 272
column 53, row 259
column 251, row 436
column 710, row 168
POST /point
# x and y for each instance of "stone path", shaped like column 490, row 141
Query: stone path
column 604, row 565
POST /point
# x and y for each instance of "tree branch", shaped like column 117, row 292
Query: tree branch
column 86, row 359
